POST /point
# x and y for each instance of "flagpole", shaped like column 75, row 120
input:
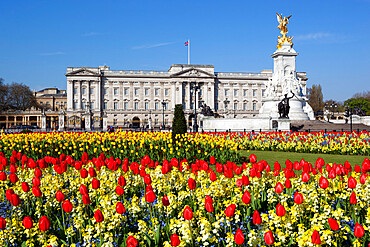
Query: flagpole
column 188, row 51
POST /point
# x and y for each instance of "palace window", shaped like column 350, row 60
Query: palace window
column 126, row 91
column 226, row 92
column 115, row 91
column 105, row 91
column 92, row 105
column 254, row 92
column 254, row 106
column 156, row 105
column 136, row 91
column 245, row 92
column 155, row 121
column 74, row 105
column 136, row 105
column 115, row 105
column 156, row 92
column 146, row 91
column 114, row 121
column 235, row 106
column 166, row 92
column 83, row 91
column 263, row 92
column 105, row 105
column 146, row 105
column 83, row 105
column 125, row 105
column 91, row 90
column 245, row 106
column 75, row 90
column 235, row 92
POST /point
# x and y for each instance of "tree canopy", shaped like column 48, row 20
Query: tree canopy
column 315, row 98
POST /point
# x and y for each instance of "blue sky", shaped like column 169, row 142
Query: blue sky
column 40, row 39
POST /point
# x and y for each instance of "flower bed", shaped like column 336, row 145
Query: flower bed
column 103, row 199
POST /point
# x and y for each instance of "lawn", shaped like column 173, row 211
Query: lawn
column 281, row 157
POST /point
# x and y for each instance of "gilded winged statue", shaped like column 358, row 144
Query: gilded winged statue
column 283, row 22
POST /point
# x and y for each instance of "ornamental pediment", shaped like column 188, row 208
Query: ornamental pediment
column 193, row 72
column 82, row 72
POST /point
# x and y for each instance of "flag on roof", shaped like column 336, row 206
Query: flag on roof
column 186, row 43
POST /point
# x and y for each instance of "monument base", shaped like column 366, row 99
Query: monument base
column 299, row 109
column 283, row 124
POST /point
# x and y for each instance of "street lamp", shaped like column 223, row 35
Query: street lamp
column 194, row 89
column 150, row 119
column 163, row 105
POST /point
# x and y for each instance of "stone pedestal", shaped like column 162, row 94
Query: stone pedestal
column 88, row 122
column 43, row 122
column 61, row 121
column 283, row 124
column 105, row 122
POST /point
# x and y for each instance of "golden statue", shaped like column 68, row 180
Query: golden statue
column 283, row 22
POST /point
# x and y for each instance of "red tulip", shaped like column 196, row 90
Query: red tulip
column 256, row 218
column 27, row 222
column 120, row 191
column 86, row 199
column 212, row 176
column 98, row 216
column 230, row 210
column 12, row 168
column 359, row 231
column 288, row 184
column 212, row 160
column 25, row 187
column 95, row 183
column 333, row 224
column 363, row 178
column 15, row 200
column 92, row 172
column 208, row 199
column 298, row 198
column 305, row 177
column 122, row 181
column 209, row 207
column 150, row 196
column 187, row 213
column 269, row 238
column 60, row 196
column 13, row 178
column 120, row 208
column 8, row 194
column 165, row 201
column 147, row 179
column 83, row 173
column 36, row 191
column 239, row 182
column 252, row 158
column 131, row 241
column 36, row 181
column 352, row 198
column 83, row 189
column 175, row 240
column 3, row 176
column 38, row 172
column 280, row 210
column 246, row 198
column 67, row 206
column 192, row 184
column 2, row 223
column 357, row 169
column 239, row 237
column 315, row 238
column 44, row 223
column 323, row 182
column 279, row 188
column 352, row 183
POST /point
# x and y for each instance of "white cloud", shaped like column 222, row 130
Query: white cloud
column 151, row 45
column 52, row 53
column 313, row 36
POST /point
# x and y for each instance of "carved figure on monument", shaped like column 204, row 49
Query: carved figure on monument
column 207, row 111
column 284, row 107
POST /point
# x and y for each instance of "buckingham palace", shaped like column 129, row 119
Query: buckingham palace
column 138, row 98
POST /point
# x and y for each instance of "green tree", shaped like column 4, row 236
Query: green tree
column 315, row 98
column 3, row 95
column 362, row 103
column 179, row 122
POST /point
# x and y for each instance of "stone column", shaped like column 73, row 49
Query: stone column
column 79, row 106
column 211, row 99
column 70, row 95
column 61, row 121
column 205, row 93
column 187, row 95
column 88, row 98
column 173, row 92
column 43, row 122
column 98, row 98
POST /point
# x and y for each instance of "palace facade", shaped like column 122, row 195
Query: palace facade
column 130, row 98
